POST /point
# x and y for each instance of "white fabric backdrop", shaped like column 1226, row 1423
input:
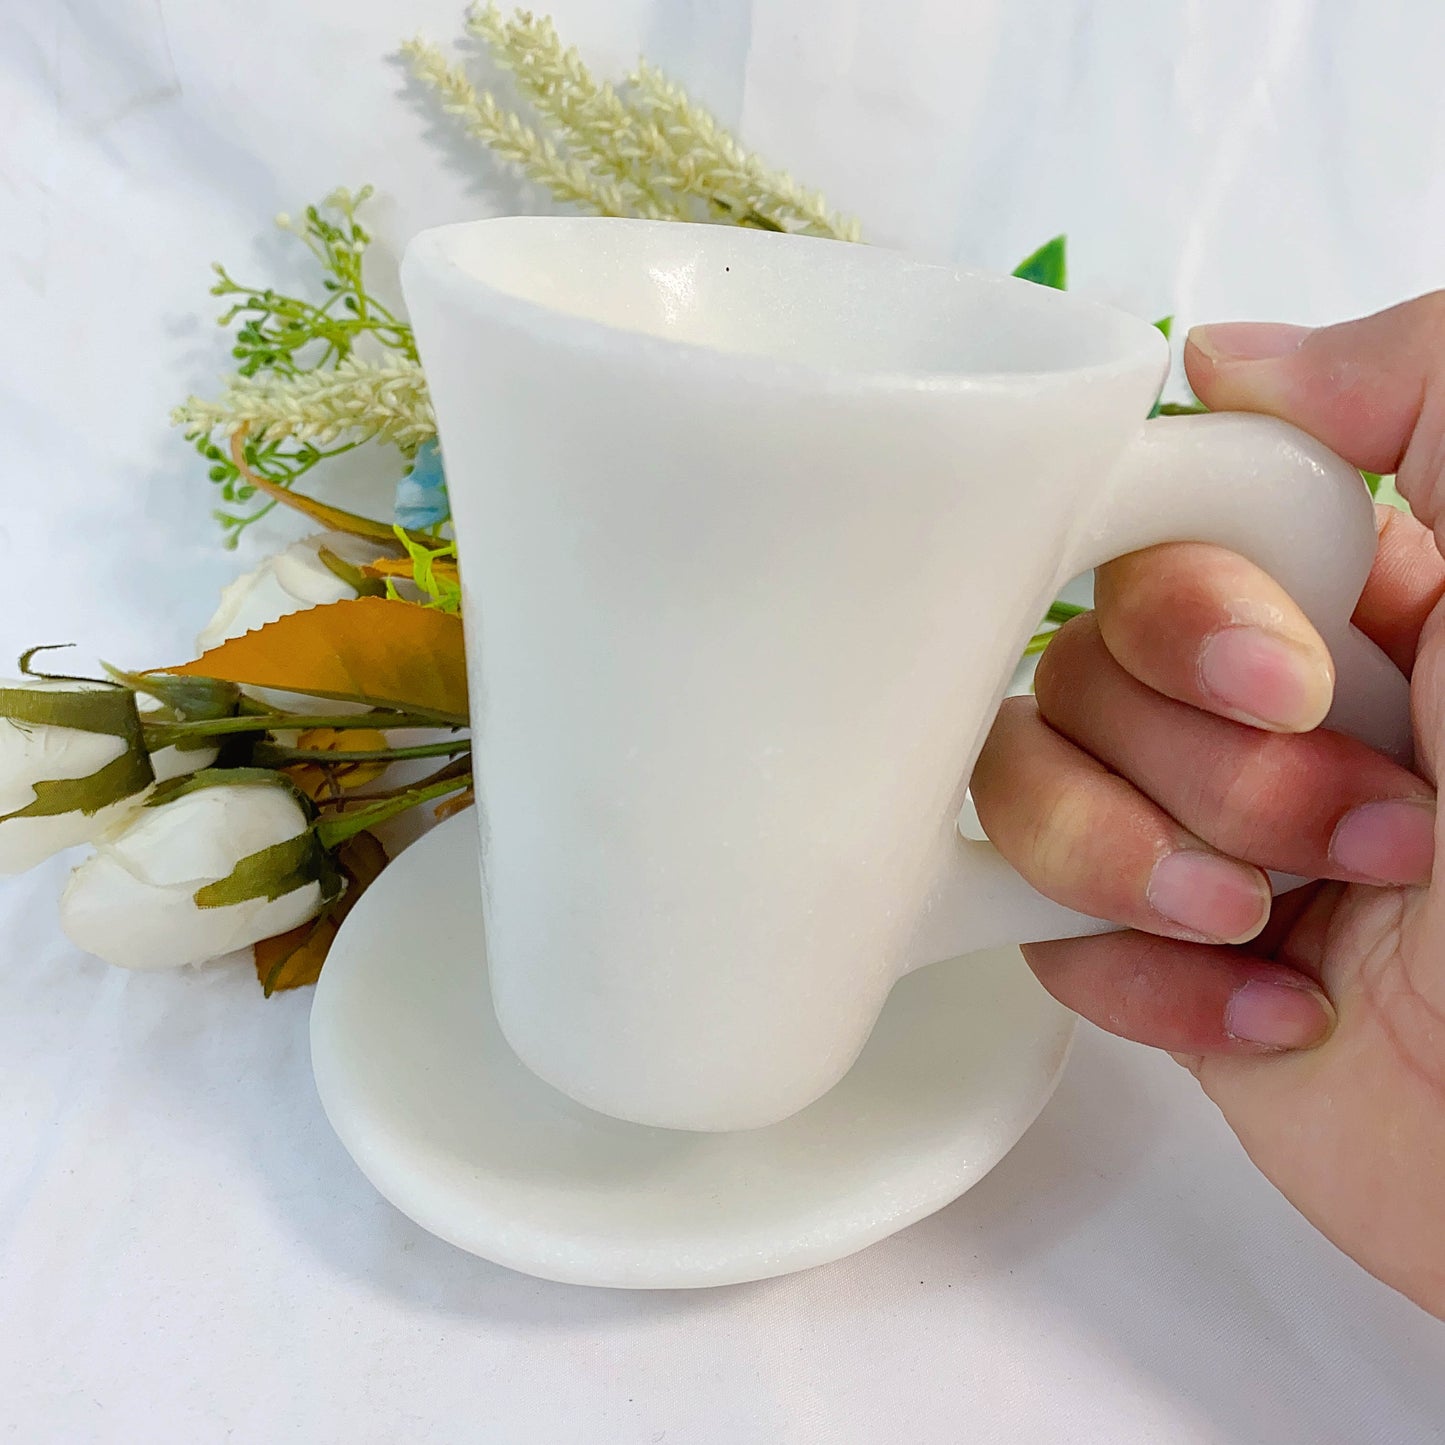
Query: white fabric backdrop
column 185, row 1252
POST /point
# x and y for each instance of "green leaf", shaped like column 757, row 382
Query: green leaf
column 272, row 872
column 110, row 712
column 1166, row 325
column 1385, row 492
column 122, row 777
column 27, row 669
column 452, row 779
column 351, row 574
column 185, row 699
column 285, row 335
column 107, row 710
column 434, row 570
column 1047, row 266
column 174, row 788
column 1372, row 481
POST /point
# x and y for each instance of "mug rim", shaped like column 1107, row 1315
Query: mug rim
column 431, row 253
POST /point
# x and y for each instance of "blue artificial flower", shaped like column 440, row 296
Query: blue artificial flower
column 421, row 495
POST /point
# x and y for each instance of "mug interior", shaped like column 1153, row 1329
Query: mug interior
column 792, row 300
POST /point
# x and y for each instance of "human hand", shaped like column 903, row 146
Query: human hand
column 1159, row 770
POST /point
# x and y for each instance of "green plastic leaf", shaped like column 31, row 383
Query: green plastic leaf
column 27, row 669
column 456, row 777
column 1386, row 493
column 1166, row 325
column 110, row 712
column 122, row 777
column 107, row 710
column 270, row 872
column 351, row 574
column 273, row 872
column 1372, row 481
column 186, row 699
column 1047, row 266
column 439, row 584
column 174, row 788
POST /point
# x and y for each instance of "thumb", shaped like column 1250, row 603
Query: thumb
column 1372, row 389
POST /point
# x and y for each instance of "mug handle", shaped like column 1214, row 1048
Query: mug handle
column 1274, row 495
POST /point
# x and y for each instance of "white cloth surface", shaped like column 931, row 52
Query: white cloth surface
column 186, row 1254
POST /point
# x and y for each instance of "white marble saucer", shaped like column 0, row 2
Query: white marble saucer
column 442, row 1118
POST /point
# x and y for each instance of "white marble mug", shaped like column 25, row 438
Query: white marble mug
column 753, row 529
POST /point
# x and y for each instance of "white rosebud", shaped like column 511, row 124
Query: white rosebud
column 34, row 752
column 291, row 581
column 134, row 903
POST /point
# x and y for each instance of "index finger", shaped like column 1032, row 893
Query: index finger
column 1372, row 389
column 1203, row 626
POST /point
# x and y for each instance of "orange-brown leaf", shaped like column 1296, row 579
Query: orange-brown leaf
column 456, row 804
column 369, row 649
column 442, row 569
column 294, row 959
column 334, row 519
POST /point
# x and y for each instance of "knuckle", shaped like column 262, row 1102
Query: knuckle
column 1420, row 477
column 1058, row 836
column 1247, row 797
column 1073, row 651
column 1127, row 591
column 1431, row 308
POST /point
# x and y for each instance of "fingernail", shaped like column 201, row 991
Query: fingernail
column 1390, row 842
column 1247, row 340
column 1264, row 679
column 1278, row 1015
column 1214, row 898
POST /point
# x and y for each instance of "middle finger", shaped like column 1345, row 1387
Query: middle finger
column 1317, row 804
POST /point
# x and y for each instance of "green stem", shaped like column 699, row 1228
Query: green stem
column 338, row 829
column 459, row 768
column 162, row 734
column 1060, row 612
column 274, row 755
